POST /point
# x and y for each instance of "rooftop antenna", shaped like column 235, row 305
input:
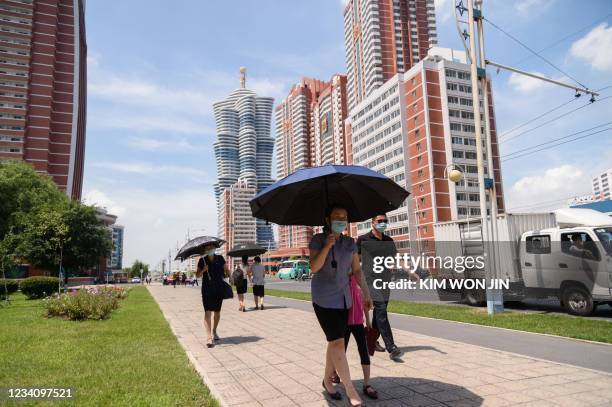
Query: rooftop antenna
column 242, row 77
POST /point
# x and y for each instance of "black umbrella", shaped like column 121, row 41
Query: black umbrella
column 303, row 197
column 246, row 249
column 196, row 246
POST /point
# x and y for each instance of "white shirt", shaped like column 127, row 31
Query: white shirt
column 258, row 273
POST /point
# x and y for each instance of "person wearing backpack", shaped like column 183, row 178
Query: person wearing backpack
column 240, row 281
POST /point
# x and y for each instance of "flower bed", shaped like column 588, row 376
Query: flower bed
column 86, row 303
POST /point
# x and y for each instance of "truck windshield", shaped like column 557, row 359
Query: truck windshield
column 605, row 237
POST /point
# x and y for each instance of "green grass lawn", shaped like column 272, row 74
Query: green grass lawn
column 552, row 324
column 131, row 359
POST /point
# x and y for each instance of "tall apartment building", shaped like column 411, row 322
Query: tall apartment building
column 243, row 150
column 330, row 110
column 115, row 262
column 601, row 185
column 411, row 129
column 383, row 38
column 43, row 87
column 309, row 132
column 239, row 226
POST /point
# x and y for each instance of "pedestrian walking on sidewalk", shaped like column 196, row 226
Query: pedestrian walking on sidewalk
column 355, row 327
column 213, row 269
column 240, row 280
column 333, row 256
column 380, row 318
column 256, row 274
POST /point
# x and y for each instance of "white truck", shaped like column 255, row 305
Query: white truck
column 566, row 254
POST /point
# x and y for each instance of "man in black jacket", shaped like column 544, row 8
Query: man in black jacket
column 381, row 320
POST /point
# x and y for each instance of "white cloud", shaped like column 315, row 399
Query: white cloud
column 527, row 8
column 157, row 221
column 100, row 199
column 595, row 47
column 549, row 190
column 139, row 120
column 144, row 168
column 444, row 10
column 165, row 145
column 526, row 84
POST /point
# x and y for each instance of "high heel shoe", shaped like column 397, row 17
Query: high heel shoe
column 335, row 395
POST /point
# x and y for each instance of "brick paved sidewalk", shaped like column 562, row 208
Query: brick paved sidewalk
column 275, row 358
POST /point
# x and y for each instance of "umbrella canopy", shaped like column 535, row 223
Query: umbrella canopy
column 246, row 249
column 303, row 197
column 196, row 246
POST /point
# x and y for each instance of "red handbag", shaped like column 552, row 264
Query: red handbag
column 372, row 336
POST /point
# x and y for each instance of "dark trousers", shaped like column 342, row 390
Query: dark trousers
column 360, row 337
column 381, row 323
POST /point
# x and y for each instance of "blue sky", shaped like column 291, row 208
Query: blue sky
column 155, row 67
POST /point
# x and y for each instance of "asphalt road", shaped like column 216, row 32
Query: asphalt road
column 547, row 306
column 573, row 352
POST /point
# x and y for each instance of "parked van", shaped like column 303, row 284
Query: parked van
column 567, row 255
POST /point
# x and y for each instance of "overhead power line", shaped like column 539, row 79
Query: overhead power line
column 599, row 20
column 534, row 52
column 506, row 158
column 557, row 139
column 551, row 120
column 505, row 134
column 512, row 130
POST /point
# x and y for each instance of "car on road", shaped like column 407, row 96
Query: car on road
column 294, row 269
column 136, row 280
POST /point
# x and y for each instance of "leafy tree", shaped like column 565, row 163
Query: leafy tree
column 71, row 233
column 135, row 269
column 23, row 191
column 39, row 224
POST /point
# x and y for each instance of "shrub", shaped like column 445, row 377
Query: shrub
column 92, row 303
column 11, row 286
column 39, row 287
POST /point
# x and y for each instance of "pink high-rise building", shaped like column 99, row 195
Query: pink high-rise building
column 383, row 38
column 309, row 132
column 43, row 85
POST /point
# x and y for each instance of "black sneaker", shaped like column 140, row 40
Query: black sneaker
column 395, row 353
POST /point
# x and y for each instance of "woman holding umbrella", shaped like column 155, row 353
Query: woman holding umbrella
column 333, row 256
column 302, row 198
column 213, row 269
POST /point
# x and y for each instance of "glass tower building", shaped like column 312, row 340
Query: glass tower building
column 244, row 147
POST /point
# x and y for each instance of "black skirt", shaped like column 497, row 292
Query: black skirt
column 241, row 287
column 211, row 302
column 333, row 321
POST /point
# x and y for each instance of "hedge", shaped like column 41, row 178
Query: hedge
column 10, row 284
column 39, row 287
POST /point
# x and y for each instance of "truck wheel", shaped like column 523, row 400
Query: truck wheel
column 578, row 301
column 475, row 298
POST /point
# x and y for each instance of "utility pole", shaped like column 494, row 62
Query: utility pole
column 475, row 15
column 478, row 64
